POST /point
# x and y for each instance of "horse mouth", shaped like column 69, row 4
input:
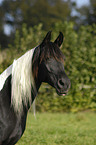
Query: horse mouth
column 61, row 93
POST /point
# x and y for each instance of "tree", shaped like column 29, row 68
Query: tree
column 33, row 12
column 91, row 12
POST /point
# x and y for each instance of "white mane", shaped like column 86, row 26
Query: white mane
column 22, row 81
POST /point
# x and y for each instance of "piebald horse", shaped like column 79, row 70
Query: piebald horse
column 20, row 82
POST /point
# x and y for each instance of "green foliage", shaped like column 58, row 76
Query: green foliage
column 79, row 49
column 60, row 129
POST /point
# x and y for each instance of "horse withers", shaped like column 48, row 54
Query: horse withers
column 20, row 82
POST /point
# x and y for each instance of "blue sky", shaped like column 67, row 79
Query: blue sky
column 81, row 2
column 1, row 1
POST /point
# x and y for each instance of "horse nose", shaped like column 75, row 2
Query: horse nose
column 63, row 83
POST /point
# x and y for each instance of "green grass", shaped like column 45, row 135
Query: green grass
column 60, row 129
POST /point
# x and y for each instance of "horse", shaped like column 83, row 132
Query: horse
column 20, row 82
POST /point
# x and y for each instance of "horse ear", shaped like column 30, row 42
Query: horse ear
column 47, row 38
column 59, row 39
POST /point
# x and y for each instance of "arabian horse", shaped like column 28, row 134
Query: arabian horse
column 20, row 82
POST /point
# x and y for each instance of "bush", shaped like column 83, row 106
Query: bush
column 80, row 65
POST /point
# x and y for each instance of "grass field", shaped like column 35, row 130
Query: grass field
column 60, row 129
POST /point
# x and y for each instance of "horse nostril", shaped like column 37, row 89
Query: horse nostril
column 61, row 83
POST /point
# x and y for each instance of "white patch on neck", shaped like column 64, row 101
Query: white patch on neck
column 4, row 76
column 22, row 81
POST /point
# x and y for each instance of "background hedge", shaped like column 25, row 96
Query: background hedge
column 79, row 48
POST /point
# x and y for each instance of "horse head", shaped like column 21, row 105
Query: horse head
column 48, row 65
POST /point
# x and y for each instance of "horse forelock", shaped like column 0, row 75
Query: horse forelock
column 51, row 50
column 22, row 82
